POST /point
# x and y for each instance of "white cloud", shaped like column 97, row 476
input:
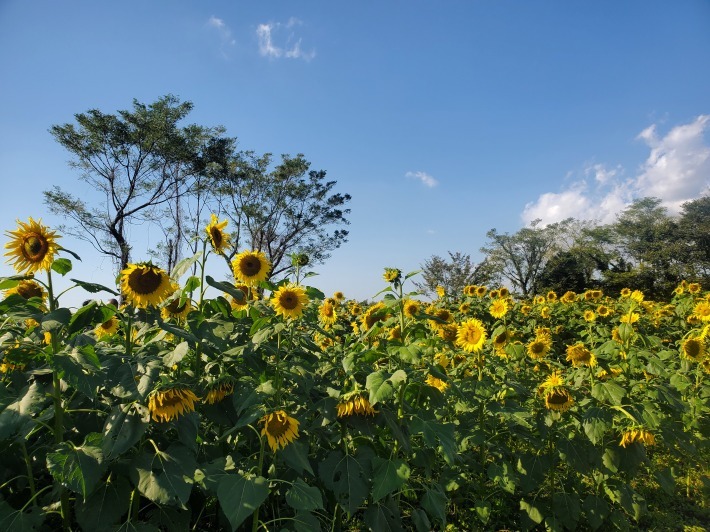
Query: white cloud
column 676, row 170
column 288, row 46
column 425, row 178
column 225, row 34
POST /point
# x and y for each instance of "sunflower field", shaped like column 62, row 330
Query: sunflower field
column 194, row 403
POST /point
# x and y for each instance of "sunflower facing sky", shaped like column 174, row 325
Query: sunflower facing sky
column 32, row 247
column 145, row 285
column 290, row 300
column 216, row 234
column 251, row 267
column 279, row 428
column 471, row 335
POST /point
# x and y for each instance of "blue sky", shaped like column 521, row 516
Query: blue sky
column 441, row 119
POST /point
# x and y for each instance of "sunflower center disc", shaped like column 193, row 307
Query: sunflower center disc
column 251, row 267
column 33, row 246
column 144, row 281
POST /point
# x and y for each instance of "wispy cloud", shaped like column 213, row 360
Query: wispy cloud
column 425, row 178
column 276, row 40
column 225, row 34
column 677, row 170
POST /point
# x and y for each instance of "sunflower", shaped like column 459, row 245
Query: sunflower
column 693, row 349
column 28, row 288
column 216, row 234
column 471, row 335
column 32, row 247
column 694, row 288
column 448, row 332
column 464, row 308
column 625, row 292
column 436, row 383
column 589, row 316
column 631, row 317
column 411, row 308
column 251, row 267
column 107, row 328
column 551, row 296
column 539, row 300
column 373, row 315
column 339, row 296
column 603, row 311
column 469, row 290
column 327, row 313
column 145, row 285
column 442, row 360
column 239, row 304
column 500, row 339
column 290, row 300
column 218, row 392
column 637, row 295
column 499, row 308
column 539, row 347
column 580, row 355
column 394, row 333
column 702, row 311
column 444, row 316
column 569, row 297
column 556, row 395
column 174, row 310
column 279, row 428
column 355, row 403
column 170, row 403
column 525, row 310
column 494, row 294
column 637, row 435
column 545, row 312
column 481, row 291
column 392, row 275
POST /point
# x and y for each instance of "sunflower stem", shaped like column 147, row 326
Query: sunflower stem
column 202, row 274
column 58, row 407
column 255, row 515
column 30, row 475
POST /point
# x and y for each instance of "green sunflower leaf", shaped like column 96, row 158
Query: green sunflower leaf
column 240, row 496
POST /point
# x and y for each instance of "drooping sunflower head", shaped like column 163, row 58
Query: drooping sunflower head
column 145, row 285
column 251, row 267
column 28, row 288
column 499, row 308
column 218, row 391
column 556, row 395
column 32, row 247
column 637, row 435
column 693, row 349
column 471, row 335
column 279, row 428
column 290, row 300
column 107, row 328
column 355, row 403
column 580, row 355
column 170, row 403
column 217, row 236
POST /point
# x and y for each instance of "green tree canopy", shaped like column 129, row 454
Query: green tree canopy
column 138, row 160
column 453, row 274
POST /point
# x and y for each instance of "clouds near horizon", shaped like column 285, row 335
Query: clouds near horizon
column 676, row 170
